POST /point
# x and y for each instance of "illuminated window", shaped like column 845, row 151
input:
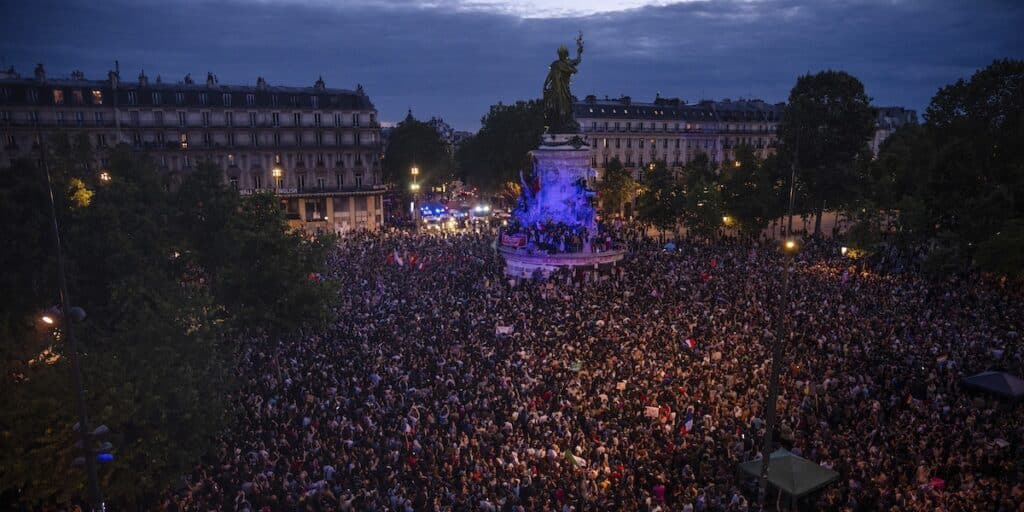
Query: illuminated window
column 183, row 139
column 58, row 97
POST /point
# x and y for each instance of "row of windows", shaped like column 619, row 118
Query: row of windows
column 78, row 97
column 676, row 143
column 640, row 126
column 32, row 116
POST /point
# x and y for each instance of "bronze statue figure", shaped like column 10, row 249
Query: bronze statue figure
column 558, row 113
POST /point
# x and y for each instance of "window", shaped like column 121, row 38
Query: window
column 206, row 119
column 339, row 178
column 79, row 118
column 181, row 119
column 233, row 181
column 629, row 143
column 250, row 99
column 300, row 181
column 358, row 139
column 33, row 116
column 373, row 119
column 203, row 98
column 137, row 139
column 134, row 117
column 273, row 100
column 156, row 98
column 58, row 97
column 179, row 98
column 98, row 117
column 101, row 140
column 319, row 138
column 11, row 142
column 276, row 119
column 5, row 93
column 316, row 209
column 277, row 139
column 297, row 119
column 131, row 97
column 183, row 138
column 158, row 117
column 188, row 161
column 227, row 99
column 355, row 119
column 257, row 181
column 5, row 116
column 231, row 138
column 60, row 118
column 254, row 139
column 231, row 160
column 207, row 139
column 252, row 119
column 337, row 119
column 664, row 144
column 641, row 144
column 617, row 144
column 229, row 118
column 314, row 101
column 32, row 95
column 160, row 138
column 316, row 119
column 76, row 95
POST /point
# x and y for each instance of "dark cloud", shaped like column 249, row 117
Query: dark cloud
column 455, row 62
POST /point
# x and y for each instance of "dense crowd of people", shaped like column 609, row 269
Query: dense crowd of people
column 446, row 386
column 558, row 237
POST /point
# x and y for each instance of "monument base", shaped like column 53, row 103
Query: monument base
column 526, row 262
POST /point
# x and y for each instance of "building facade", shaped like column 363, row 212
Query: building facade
column 317, row 148
column 669, row 130
column 887, row 121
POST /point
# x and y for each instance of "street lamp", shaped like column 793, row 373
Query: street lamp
column 843, row 250
column 276, row 172
column 67, row 311
column 415, row 188
column 104, row 176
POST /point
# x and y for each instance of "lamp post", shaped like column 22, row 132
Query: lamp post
column 781, row 332
column 414, row 187
column 276, row 172
column 68, row 314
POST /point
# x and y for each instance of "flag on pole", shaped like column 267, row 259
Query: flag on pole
column 398, row 259
column 690, row 344
column 688, row 424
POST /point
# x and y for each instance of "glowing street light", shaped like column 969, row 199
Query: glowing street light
column 790, row 245
column 48, row 320
column 415, row 187
column 726, row 220
column 843, row 250
column 105, row 176
column 415, row 171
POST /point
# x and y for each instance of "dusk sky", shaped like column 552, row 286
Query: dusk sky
column 454, row 58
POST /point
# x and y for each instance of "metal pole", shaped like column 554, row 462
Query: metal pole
column 780, row 337
column 84, row 431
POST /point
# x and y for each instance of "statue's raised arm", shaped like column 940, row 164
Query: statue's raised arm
column 579, row 48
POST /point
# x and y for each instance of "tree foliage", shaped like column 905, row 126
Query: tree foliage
column 166, row 275
column 615, row 187
column 661, row 201
column 414, row 143
column 496, row 154
column 751, row 191
column 827, row 124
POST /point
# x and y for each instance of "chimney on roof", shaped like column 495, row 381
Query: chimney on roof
column 211, row 80
column 143, row 79
column 77, row 75
column 159, row 80
column 261, row 84
column 40, row 73
column 320, row 85
column 189, row 80
column 359, row 89
column 112, row 77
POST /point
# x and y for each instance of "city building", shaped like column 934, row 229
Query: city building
column 317, row 148
column 887, row 121
column 672, row 131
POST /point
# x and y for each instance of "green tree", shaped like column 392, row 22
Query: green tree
column 659, row 204
column 414, row 143
column 496, row 154
column 827, row 123
column 751, row 191
column 616, row 187
column 702, row 204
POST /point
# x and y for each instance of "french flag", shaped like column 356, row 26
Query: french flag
column 688, row 424
column 690, row 344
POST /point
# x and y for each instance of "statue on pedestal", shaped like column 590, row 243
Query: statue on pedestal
column 558, row 114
